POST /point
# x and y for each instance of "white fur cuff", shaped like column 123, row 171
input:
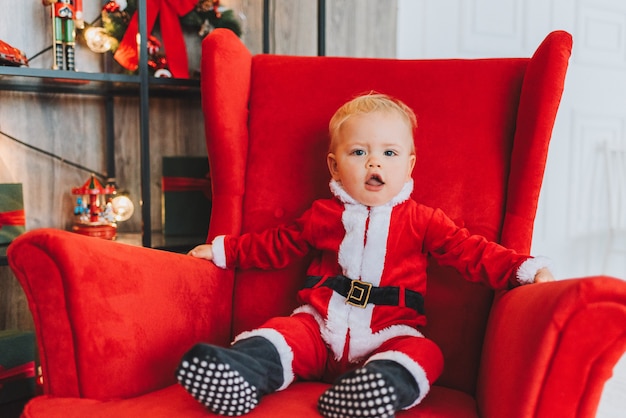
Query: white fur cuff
column 529, row 268
column 284, row 351
column 219, row 253
column 418, row 373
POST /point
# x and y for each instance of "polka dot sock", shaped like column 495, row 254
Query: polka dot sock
column 370, row 391
column 228, row 381
column 218, row 387
column 361, row 394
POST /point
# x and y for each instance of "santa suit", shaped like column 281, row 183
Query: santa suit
column 386, row 246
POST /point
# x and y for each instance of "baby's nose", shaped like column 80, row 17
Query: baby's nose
column 373, row 162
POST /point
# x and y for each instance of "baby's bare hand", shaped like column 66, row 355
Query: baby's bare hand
column 544, row 275
column 204, row 251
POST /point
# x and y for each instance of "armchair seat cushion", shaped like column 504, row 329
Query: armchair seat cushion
column 299, row 400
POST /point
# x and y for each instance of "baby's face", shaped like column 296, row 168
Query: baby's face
column 373, row 157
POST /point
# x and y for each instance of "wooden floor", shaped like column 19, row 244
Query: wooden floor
column 613, row 402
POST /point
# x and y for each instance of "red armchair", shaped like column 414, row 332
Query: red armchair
column 111, row 334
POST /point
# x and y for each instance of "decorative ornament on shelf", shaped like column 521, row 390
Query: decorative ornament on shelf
column 12, row 56
column 119, row 32
column 99, row 208
column 67, row 16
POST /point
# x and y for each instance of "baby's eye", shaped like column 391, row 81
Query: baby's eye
column 390, row 153
column 358, row 152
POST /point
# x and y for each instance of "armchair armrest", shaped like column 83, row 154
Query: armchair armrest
column 550, row 348
column 112, row 320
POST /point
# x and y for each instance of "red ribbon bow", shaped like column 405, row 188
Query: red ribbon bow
column 13, row 217
column 187, row 184
column 169, row 12
column 111, row 7
column 24, row 371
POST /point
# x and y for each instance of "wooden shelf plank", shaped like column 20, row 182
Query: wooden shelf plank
column 37, row 80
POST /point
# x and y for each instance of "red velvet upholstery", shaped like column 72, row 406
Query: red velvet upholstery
column 112, row 320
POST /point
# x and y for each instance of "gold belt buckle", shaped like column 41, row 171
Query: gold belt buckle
column 359, row 293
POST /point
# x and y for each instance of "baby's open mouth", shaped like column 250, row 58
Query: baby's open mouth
column 375, row 180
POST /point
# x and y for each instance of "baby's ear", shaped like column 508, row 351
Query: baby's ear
column 412, row 160
column 331, row 160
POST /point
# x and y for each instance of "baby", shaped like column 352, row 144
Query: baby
column 362, row 303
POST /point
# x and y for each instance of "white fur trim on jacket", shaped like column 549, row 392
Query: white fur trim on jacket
column 362, row 340
column 354, row 220
column 219, row 253
column 362, row 255
column 418, row 373
column 375, row 251
column 284, row 351
column 528, row 269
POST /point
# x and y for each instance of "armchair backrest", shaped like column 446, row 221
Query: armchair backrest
column 482, row 139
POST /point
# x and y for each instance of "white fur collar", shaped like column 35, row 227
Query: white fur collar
column 339, row 192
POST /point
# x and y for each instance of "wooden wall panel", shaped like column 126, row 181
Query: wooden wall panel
column 358, row 28
column 176, row 129
column 14, row 313
column 354, row 28
column 73, row 127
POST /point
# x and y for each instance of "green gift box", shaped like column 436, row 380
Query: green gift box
column 12, row 218
column 186, row 194
column 18, row 369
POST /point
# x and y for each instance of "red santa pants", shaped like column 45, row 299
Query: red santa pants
column 313, row 359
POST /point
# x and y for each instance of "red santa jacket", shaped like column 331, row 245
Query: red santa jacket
column 384, row 245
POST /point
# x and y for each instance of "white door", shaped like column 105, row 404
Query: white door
column 572, row 224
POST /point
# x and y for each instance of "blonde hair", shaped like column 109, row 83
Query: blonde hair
column 369, row 103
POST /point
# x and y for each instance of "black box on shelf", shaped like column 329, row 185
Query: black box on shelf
column 186, row 194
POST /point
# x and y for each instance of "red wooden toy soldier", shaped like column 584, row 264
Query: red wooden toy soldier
column 67, row 15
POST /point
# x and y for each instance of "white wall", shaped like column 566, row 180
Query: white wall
column 572, row 223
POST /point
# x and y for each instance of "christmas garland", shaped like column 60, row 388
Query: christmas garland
column 116, row 16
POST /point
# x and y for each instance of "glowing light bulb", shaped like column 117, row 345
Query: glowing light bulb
column 123, row 208
column 97, row 39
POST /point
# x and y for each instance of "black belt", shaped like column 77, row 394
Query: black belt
column 360, row 293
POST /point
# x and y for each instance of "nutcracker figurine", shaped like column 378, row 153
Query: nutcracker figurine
column 67, row 15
